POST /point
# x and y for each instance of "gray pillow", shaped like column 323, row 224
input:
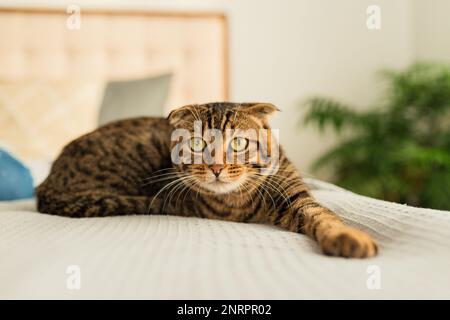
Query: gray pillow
column 127, row 99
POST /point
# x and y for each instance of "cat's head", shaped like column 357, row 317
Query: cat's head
column 222, row 147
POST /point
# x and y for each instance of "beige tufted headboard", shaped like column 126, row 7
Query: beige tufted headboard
column 37, row 43
column 50, row 74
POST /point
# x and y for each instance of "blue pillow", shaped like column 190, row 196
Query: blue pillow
column 15, row 179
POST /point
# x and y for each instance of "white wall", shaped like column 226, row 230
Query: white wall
column 283, row 51
column 431, row 22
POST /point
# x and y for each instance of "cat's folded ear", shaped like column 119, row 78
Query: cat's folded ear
column 260, row 110
column 182, row 115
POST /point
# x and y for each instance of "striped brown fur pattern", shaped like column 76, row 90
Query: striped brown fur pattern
column 126, row 168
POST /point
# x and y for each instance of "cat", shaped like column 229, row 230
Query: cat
column 127, row 167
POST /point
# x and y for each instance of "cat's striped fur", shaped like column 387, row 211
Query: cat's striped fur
column 125, row 168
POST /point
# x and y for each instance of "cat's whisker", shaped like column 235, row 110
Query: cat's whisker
column 174, row 189
column 259, row 193
column 276, row 186
column 181, row 193
column 269, row 187
column 159, row 192
column 195, row 183
column 248, row 193
column 188, row 189
column 268, row 193
column 166, row 176
column 292, row 170
column 282, row 193
column 155, row 173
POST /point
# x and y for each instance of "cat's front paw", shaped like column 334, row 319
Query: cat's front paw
column 350, row 243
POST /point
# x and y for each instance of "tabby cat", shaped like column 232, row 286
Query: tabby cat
column 126, row 167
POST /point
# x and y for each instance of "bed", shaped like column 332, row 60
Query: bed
column 168, row 257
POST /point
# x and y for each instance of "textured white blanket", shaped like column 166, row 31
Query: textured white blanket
column 160, row 257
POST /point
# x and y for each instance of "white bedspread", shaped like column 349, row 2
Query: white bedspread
column 160, row 257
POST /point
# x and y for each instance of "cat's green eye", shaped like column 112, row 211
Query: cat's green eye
column 239, row 144
column 197, row 144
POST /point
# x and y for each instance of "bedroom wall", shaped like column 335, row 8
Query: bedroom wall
column 432, row 30
column 284, row 51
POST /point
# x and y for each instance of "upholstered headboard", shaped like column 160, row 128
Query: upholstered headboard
column 118, row 45
column 52, row 72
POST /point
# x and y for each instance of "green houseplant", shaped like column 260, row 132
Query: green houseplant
column 400, row 149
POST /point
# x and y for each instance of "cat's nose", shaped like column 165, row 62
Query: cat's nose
column 216, row 169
